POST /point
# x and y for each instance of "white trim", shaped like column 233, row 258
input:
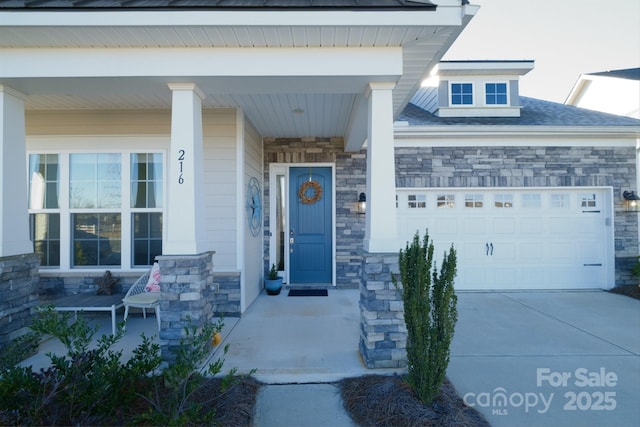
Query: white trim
column 197, row 62
column 241, row 256
column 275, row 168
column 473, row 93
column 67, row 146
column 426, row 135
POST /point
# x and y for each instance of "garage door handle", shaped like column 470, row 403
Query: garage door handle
column 489, row 248
column 592, row 265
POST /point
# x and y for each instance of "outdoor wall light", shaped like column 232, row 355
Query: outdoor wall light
column 631, row 201
column 362, row 203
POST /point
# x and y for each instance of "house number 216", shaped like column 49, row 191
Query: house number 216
column 180, row 162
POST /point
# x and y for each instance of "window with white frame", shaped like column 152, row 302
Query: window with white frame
column 588, row 200
column 146, row 204
column 461, row 94
column 473, row 201
column 114, row 201
column 446, row 201
column 44, row 208
column 417, row 201
column 503, row 201
column 532, row 200
column 496, row 93
column 560, row 200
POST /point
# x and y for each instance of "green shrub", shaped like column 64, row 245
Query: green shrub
column 430, row 314
column 19, row 349
column 172, row 400
column 91, row 386
column 85, row 386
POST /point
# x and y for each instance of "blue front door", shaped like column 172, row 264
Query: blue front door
column 310, row 217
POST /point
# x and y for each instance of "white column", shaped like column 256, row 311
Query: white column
column 381, row 231
column 186, row 233
column 14, row 214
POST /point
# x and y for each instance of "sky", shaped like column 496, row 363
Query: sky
column 565, row 38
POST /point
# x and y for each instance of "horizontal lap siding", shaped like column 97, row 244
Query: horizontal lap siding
column 98, row 122
column 219, row 139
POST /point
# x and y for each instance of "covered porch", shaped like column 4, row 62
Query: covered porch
column 205, row 90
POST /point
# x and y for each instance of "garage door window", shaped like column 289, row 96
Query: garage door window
column 588, row 200
column 473, row 201
column 417, row 201
column 531, row 200
column 559, row 200
column 446, row 201
column 503, row 201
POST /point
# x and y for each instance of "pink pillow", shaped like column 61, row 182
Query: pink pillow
column 153, row 285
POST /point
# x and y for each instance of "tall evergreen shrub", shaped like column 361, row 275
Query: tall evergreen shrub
column 430, row 314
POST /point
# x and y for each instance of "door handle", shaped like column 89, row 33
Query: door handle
column 491, row 247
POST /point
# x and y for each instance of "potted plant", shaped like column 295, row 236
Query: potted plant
column 273, row 282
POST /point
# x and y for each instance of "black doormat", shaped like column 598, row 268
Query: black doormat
column 308, row 293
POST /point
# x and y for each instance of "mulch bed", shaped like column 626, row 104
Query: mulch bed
column 236, row 406
column 387, row 401
column 632, row 291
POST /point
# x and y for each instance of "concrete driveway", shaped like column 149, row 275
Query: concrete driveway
column 549, row 358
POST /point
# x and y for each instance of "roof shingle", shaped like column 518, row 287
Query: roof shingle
column 217, row 4
column 534, row 112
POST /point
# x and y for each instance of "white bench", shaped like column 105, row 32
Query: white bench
column 89, row 302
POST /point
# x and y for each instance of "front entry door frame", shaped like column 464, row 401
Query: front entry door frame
column 282, row 169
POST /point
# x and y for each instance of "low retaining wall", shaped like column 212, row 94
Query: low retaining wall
column 226, row 302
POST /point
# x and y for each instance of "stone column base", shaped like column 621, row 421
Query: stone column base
column 383, row 333
column 187, row 295
column 19, row 281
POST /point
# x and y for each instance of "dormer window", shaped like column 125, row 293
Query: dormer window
column 461, row 94
column 496, row 93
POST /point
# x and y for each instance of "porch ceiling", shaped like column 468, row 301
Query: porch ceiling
column 278, row 105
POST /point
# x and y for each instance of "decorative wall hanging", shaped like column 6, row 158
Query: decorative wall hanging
column 254, row 206
column 310, row 191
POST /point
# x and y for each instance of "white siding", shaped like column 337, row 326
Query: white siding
column 254, row 245
column 219, row 130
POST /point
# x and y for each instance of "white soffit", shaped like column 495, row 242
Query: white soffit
column 422, row 36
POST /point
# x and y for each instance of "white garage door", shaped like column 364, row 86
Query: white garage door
column 508, row 238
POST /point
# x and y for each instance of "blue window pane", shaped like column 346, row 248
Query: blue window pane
column 496, row 93
column 96, row 239
column 461, row 94
column 146, row 180
column 46, row 238
column 147, row 237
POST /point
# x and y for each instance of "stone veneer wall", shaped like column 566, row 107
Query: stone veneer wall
column 527, row 166
column 187, row 297
column 226, row 301
column 350, row 181
column 383, row 333
column 18, row 294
